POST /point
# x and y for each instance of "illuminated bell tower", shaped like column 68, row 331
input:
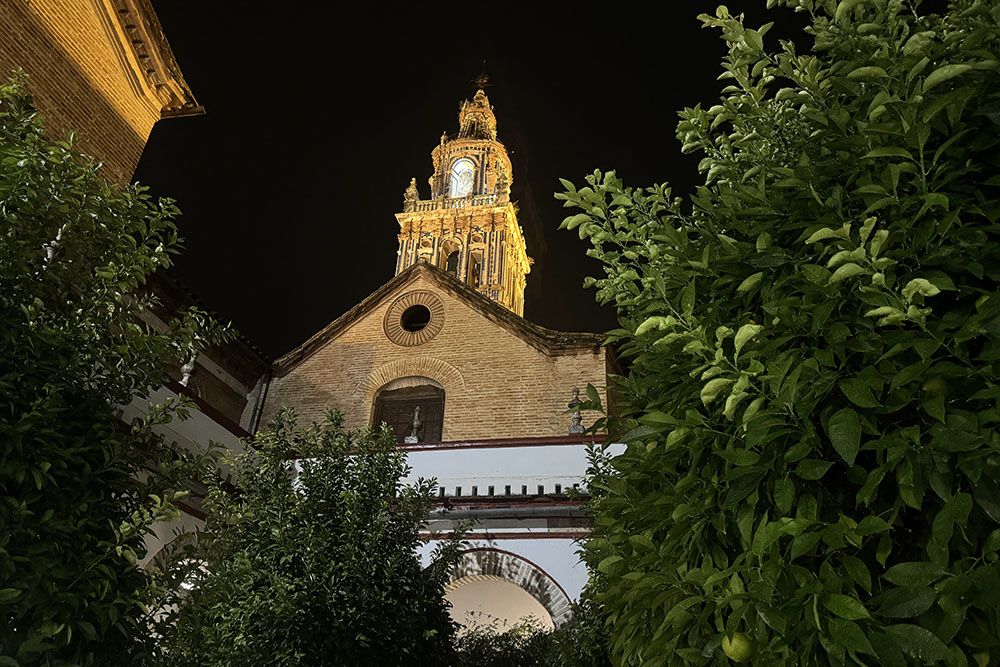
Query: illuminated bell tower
column 469, row 226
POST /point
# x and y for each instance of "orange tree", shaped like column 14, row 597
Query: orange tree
column 314, row 562
column 811, row 408
column 79, row 487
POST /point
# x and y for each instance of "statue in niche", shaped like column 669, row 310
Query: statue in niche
column 417, row 427
column 575, row 419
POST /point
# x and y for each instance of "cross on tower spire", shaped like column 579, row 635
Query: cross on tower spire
column 483, row 80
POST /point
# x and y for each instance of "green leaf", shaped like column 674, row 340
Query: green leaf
column 743, row 336
column 858, row 392
column 9, row 594
column 642, row 541
column 655, row 323
column 889, row 151
column 871, row 525
column 955, row 511
column 593, row 397
column 919, row 286
column 907, row 602
column 867, row 72
column 849, row 635
column 812, row 469
column 934, row 406
column 608, row 564
column 750, row 283
column 942, row 74
column 845, row 271
column 87, row 630
column 844, row 430
column 858, row 571
column 844, row 9
column 739, row 457
column 919, row 643
column 574, row 221
column 765, row 536
column 687, row 298
column 713, row 388
column 909, row 374
column 822, row 235
column 845, row 606
column 912, row 574
column 804, row 543
column 784, row 495
column 992, row 544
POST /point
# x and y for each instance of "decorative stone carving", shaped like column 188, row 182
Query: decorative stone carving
column 394, row 326
column 414, row 437
column 147, row 61
column 575, row 420
column 476, row 119
column 187, row 369
column 410, row 196
column 503, row 189
column 484, row 204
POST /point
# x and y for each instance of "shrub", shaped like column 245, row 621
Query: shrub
column 581, row 642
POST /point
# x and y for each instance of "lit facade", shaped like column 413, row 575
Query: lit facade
column 469, row 226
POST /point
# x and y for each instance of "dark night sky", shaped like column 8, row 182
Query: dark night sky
column 316, row 122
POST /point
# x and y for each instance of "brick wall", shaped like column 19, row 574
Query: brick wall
column 496, row 384
column 77, row 79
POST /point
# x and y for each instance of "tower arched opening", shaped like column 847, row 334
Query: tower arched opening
column 462, row 177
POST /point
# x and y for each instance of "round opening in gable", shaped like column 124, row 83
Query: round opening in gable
column 415, row 318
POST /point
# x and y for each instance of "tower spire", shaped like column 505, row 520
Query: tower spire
column 476, row 119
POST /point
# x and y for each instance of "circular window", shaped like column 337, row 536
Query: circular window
column 414, row 318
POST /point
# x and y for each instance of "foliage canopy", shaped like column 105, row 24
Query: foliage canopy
column 581, row 642
column 79, row 487
column 309, row 557
column 812, row 406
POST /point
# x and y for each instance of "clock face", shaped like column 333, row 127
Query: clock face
column 462, row 172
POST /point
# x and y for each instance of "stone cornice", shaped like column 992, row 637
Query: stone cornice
column 146, row 58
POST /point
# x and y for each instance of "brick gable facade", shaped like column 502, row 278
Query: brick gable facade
column 502, row 376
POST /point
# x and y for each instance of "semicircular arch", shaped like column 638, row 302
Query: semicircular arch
column 508, row 566
column 422, row 366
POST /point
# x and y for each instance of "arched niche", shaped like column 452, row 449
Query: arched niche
column 450, row 256
column 461, row 177
column 476, row 269
column 397, row 402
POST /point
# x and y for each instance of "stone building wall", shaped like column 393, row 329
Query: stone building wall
column 497, row 384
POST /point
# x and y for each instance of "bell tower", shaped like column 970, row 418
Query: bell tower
column 468, row 227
